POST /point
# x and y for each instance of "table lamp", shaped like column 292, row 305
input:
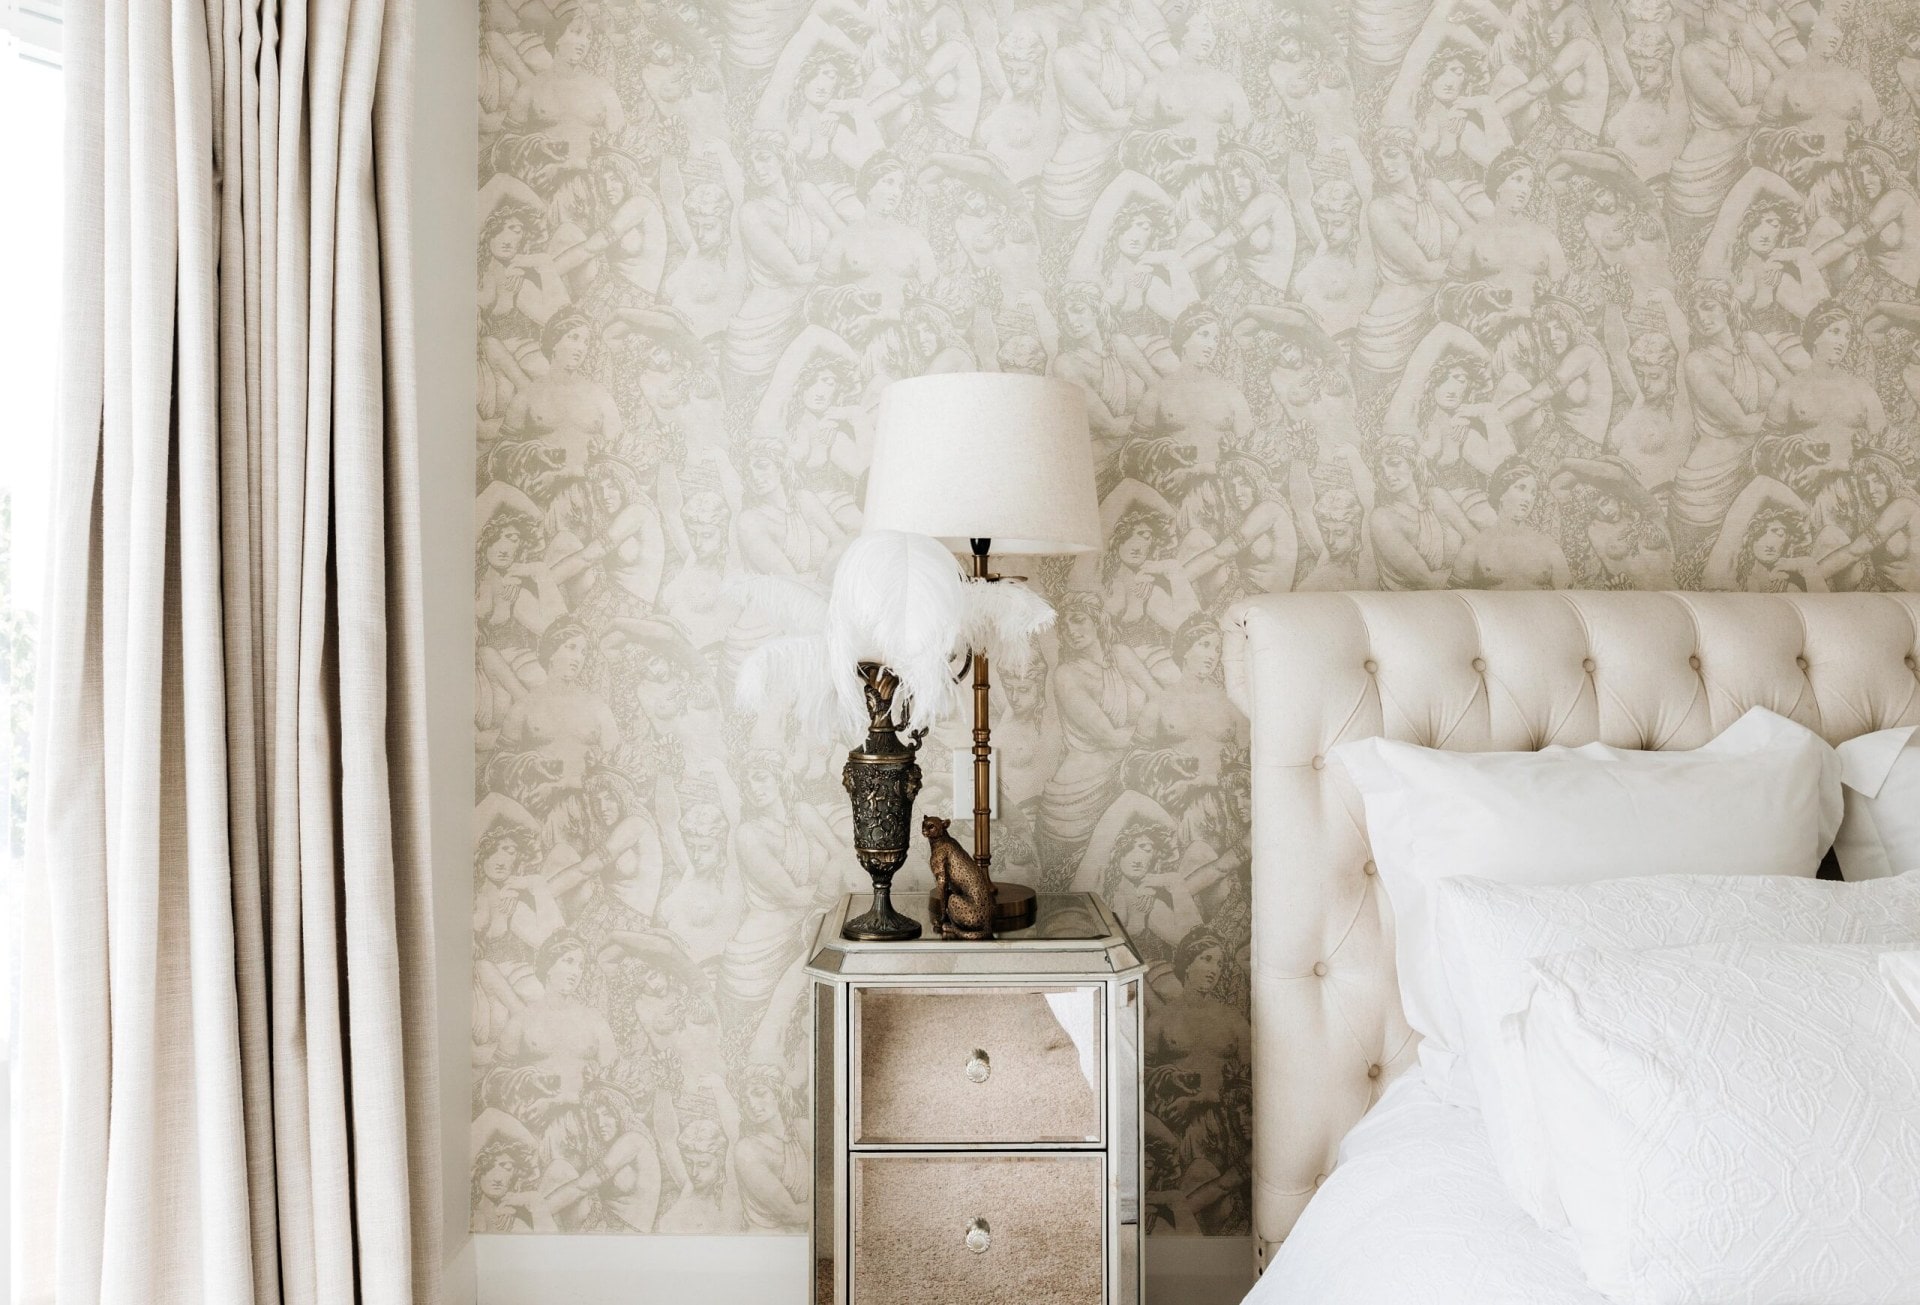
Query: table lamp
column 987, row 463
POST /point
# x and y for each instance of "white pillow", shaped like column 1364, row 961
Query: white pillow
column 1880, row 835
column 1761, row 799
column 1732, row 1123
column 1488, row 932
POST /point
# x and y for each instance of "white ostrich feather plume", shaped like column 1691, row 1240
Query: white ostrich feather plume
column 794, row 675
column 788, row 603
column 1002, row 618
column 898, row 599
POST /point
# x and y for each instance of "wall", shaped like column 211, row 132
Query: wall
column 1526, row 313
column 446, row 32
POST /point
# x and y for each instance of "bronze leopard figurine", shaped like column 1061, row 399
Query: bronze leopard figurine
column 963, row 895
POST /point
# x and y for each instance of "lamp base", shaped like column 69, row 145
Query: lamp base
column 1014, row 906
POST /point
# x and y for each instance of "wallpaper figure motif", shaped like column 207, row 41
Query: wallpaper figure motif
column 1364, row 294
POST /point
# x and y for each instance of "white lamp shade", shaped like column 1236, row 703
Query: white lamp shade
column 985, row 455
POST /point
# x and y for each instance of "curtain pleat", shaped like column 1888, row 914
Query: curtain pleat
column 227, row 1089
column 242, row 381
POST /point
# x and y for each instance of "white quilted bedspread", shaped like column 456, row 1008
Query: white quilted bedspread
column 1416, row 1214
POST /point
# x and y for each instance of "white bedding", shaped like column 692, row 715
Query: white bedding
column 1416, row 1214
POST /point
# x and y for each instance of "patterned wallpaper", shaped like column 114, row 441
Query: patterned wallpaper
column 1364, row 294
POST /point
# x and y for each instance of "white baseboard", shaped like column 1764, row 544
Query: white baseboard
column 458, row 1282
column 591, row 1270
column 530, row 1269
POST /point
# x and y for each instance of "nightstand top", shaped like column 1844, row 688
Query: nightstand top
column 1072, row 934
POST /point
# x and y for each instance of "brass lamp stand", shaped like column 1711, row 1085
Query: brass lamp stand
column 1015, row 905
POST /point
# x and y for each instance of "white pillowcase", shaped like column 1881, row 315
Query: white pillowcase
column 1733, row 1123
column 1488, row 932
column 1761, row 799
column 1880, row 835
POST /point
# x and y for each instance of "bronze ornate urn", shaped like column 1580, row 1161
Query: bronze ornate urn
column 882, row 778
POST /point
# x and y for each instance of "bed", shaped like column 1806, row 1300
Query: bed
column 1408, row 1207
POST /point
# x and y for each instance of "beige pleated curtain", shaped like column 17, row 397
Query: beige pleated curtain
column 226, row 1088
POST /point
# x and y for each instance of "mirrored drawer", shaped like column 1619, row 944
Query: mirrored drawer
column 1020, row 1229
column 980, row 1066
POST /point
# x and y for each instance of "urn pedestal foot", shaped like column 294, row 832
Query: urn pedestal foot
column 881, row 923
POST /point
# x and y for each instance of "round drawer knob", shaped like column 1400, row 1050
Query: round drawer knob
column 978, row 1067
column 979, row 1236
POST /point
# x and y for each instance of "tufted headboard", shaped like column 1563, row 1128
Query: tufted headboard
column 1477, row 671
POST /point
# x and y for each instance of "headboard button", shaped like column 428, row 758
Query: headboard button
column 1480, row 664
column 1369, row 869
column 1694, row 661
column 1373, row 667
column 1373, row 1071
column 1586, row 664
column 1913, row 663
column 1319, row 763
column 1801, row 662
column 1319, row 969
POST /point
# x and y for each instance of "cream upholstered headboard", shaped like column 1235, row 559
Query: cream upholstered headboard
column 1478, row 671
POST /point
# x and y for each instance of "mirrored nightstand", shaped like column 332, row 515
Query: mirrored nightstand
column 977, row 1113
